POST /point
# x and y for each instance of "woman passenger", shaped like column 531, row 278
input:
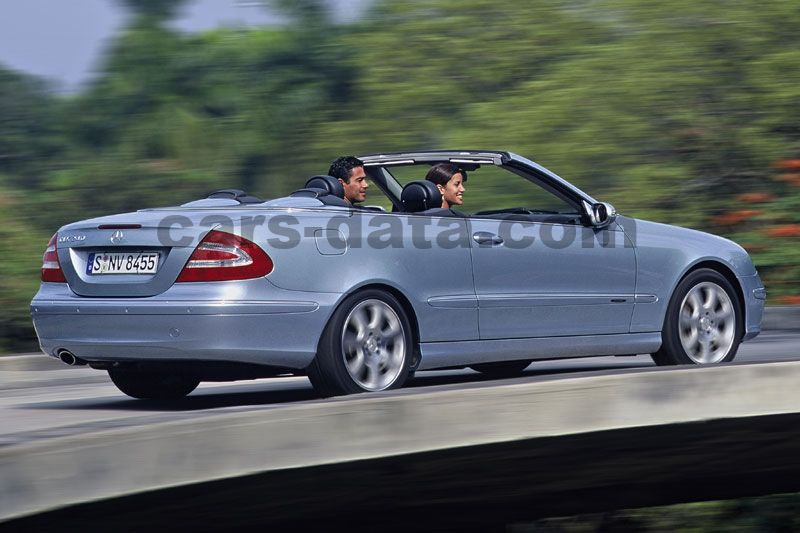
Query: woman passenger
column 449, row 179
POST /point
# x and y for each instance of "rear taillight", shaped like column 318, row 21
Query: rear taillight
column 223, row 256
column 51, row 268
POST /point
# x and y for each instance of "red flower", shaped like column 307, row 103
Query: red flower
column 792, row 178
column 788, row 164
column 755, row 197
column 734, row 217
column 755, row 248
column 787, row 230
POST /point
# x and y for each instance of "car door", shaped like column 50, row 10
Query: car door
column 550, row 276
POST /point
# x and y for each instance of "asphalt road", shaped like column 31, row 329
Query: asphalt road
column 41, row 398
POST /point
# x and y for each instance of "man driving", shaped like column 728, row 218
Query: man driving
column 349, row 171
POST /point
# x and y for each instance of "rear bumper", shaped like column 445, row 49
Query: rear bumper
column 281, row 331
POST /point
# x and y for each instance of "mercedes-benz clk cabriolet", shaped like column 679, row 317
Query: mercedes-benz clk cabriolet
column 358, row 299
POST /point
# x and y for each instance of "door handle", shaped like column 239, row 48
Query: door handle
column 484, row 237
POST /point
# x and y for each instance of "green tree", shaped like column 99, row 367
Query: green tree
column 31, row 137
column 158, row 10
column 678, row 111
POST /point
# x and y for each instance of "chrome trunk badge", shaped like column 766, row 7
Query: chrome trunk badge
column 117, row 237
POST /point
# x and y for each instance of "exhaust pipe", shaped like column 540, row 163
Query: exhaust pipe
column 69, row 358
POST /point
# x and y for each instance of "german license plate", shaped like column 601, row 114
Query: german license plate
column 122, row 263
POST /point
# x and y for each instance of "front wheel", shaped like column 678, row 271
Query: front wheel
column 152, row 385
column 366, row 346
column 704, row 322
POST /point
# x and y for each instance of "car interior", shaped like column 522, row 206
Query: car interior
column 493, row 193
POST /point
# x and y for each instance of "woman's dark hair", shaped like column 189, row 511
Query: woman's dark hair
column 440, row 173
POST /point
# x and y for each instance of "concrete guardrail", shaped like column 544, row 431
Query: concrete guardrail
column 58, row 472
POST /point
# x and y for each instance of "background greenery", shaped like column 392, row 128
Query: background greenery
column 777, row 513
column 679, row 111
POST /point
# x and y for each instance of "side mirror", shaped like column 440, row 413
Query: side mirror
column 600, row 214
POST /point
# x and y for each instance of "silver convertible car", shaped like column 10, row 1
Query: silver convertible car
column 359, row 298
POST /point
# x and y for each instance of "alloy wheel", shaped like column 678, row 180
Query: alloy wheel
column 373, row 345
column 707, row 323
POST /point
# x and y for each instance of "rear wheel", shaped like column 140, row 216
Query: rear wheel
column 152, row 385
column 366, row 346
column 502, row 369
column 704, row 322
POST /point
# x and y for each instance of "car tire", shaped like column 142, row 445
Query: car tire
column 704, row 323
column 501, row 369
column 366, row 346
column 152, row 385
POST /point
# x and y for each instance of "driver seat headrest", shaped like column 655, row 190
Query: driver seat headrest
column 328, row 184
column 420, row 196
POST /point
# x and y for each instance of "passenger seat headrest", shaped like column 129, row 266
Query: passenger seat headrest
column 420, row 196
column 327, row 183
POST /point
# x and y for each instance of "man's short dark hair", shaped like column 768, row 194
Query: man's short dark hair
column 343, row 166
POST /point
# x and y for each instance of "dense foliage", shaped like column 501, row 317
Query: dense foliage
column 774, row 513
column 678, row 111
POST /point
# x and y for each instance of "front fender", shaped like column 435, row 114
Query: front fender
column 665, row 254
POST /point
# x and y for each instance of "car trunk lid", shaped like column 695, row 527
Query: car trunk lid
column 133, row 255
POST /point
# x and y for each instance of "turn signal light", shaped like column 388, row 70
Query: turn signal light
column 51, row 268
column 222, row 256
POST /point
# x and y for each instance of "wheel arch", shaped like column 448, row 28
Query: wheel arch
column 728, row 273
column 332, row 378
column 666, row 354
column 405, row 303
